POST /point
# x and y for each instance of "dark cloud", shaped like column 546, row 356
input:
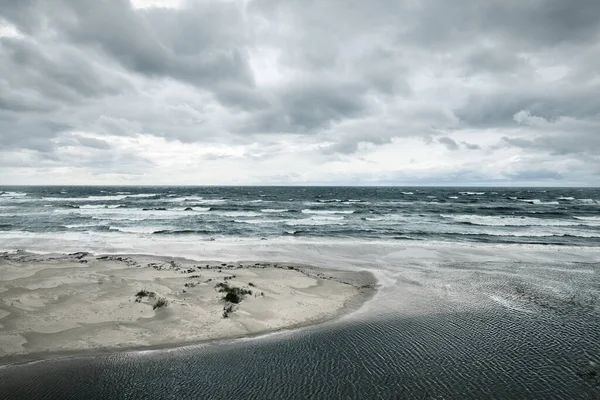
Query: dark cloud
column 94, row 143
column 471, row 146
column 448, row 143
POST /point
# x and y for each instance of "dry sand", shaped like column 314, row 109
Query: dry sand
column 62, row 303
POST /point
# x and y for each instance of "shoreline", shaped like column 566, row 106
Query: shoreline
column 320, row 296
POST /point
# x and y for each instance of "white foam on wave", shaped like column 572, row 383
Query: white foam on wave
column 97, row 206
column 588, row 201
column 89, row 198
column 259, row 221
column 274, row 210
column 566, row 198
column 316, row 221
column 12, row 195
column 539, row 202
column 176, row 199
column 525, row 233
column 75, row 226
column 471, row 193
column 590, row 221
column 309, row 211
column 126, row 214
column 141, row 195
column 407, row 193
column 199, row 209
column 140, row 229
column 453, row 197
column 236, row 213
column 509, row 221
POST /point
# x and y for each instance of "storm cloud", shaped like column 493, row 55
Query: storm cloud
column 300, row 92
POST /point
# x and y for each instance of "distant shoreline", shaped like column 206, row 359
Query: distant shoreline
column 80, row 304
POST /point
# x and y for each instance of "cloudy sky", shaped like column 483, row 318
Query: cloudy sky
column 401, row 92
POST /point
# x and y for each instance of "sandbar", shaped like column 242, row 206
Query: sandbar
column 65, row 303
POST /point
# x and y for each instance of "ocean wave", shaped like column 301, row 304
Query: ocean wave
column 589, row 221
column 258, row 221
column 142, row 195
column 566, row 198
column 194, row 208
column 519, row 234
column 275, row 210
column 329, row 201
column 314, row 222
column 181, row 232
column 539, row 202
column 12, row 195
column 509, row 221
column 96, row 206
column 309, row 211
column 138, row 229
column 88, row 198
column 77, row 226
column 124, row 214
column 236, row 213
column 471, row 193
column 407, row 193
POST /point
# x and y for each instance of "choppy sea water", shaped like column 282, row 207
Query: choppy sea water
column 495, row 293
column 493, row 215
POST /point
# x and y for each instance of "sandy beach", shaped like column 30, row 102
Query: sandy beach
column 80, row 301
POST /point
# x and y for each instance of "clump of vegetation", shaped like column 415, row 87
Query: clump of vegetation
column 144, row 293
column 251, row 284
column 232, row 294
column 233, row 297
column 222, row 287
column 161, row 302
column 227, row 310
column 190, row 284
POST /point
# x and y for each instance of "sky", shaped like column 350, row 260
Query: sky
column 300, row 92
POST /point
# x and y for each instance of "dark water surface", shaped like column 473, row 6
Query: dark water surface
column 449, row 356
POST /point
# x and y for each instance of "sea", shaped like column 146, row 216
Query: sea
column 484, row 292
column 480, row 215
